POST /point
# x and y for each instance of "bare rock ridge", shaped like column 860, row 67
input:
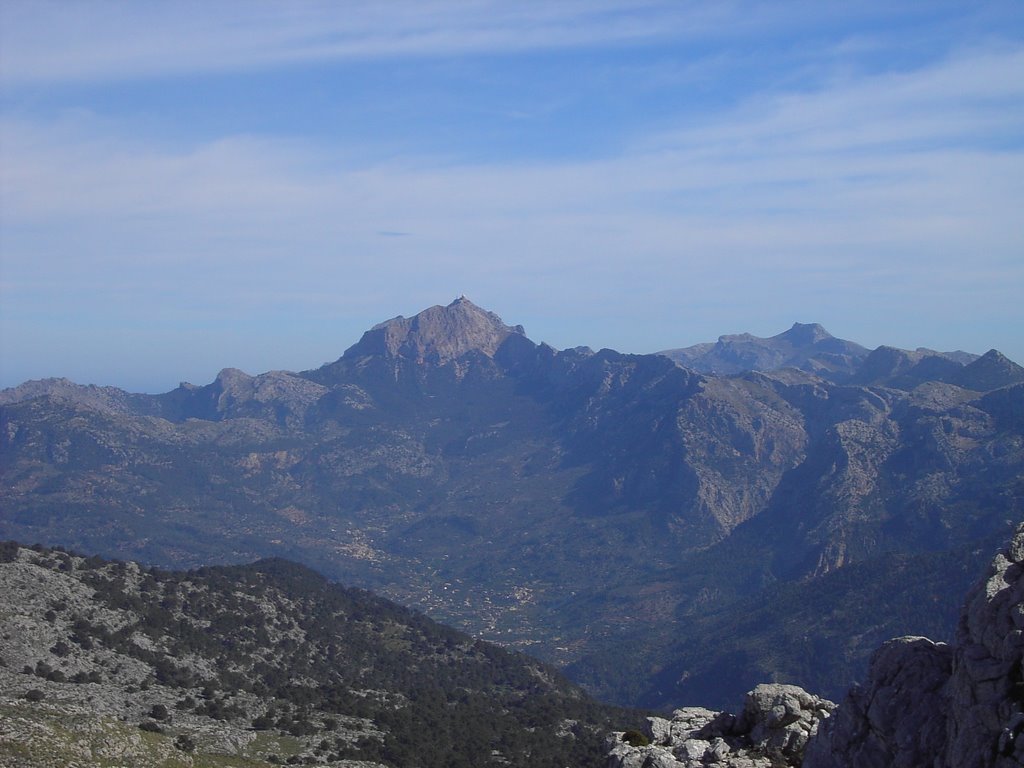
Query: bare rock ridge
column 929, row 704
column 438, row 334
column 809, row 347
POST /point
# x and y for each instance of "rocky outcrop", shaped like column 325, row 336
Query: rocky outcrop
column 776, row 723
column 897, row 718
column 923, row 704
column 928, row 704
column 438, row 334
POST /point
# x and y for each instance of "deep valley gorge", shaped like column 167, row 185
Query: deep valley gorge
column 666, row 529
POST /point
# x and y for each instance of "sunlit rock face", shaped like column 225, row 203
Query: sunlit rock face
column 772, row 731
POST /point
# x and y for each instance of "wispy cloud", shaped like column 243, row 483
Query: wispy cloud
column 62, row 41
column 921, row 162
column 875, row 197
column 47, row 40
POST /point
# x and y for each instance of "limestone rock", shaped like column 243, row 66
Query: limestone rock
column 897, row 718
column 928, row 704
column 772, row 731
column 441, row 334
column 986, row 690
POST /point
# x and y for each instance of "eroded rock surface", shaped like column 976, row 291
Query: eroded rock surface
column 928, row 704
column 773, row 729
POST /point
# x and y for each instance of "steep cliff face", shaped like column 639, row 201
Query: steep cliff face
column 929, row 704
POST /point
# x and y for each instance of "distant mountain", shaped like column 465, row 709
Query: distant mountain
column 594, row 508
column 809, row 347
column 991, row 371
column 110, row 663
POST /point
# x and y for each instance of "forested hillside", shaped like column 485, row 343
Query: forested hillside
column 264, row 663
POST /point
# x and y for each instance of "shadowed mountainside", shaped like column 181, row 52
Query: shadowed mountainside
column 573, row 503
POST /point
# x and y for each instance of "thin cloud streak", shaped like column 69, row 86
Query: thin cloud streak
column 860, row 139
column 106, row 40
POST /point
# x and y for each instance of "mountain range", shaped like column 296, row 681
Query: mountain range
column 673, row 527
column 809, row 347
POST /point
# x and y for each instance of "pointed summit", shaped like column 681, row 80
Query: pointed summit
column 438, row 334
column 990, row 371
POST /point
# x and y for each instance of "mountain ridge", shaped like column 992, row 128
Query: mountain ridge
column 563, row 502
column 808, row 347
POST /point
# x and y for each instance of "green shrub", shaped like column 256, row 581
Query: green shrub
column 635, row 739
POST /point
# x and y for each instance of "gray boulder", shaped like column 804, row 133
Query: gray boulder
column 771, row 731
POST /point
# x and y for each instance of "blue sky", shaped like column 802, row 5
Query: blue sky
column 189, row 186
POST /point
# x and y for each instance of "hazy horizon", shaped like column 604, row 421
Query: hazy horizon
column 161, row 388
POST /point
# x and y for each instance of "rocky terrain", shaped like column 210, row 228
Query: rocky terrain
column 665, row 534
column 112, row 664
column 923, row 703
column 772, row 730
column 945, row 706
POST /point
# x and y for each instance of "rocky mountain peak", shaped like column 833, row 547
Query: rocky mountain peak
column 805, row 333
column 438, row 334
column 230, row 378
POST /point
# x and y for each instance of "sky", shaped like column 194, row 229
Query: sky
column 188, row 186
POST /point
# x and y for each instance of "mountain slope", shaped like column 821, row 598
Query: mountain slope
column 561, row 501
column 260, row 663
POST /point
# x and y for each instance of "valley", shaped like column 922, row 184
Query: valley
column 606, row 512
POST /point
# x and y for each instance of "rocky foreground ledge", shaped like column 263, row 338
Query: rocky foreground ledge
column 923, row 705
column 772, row 730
